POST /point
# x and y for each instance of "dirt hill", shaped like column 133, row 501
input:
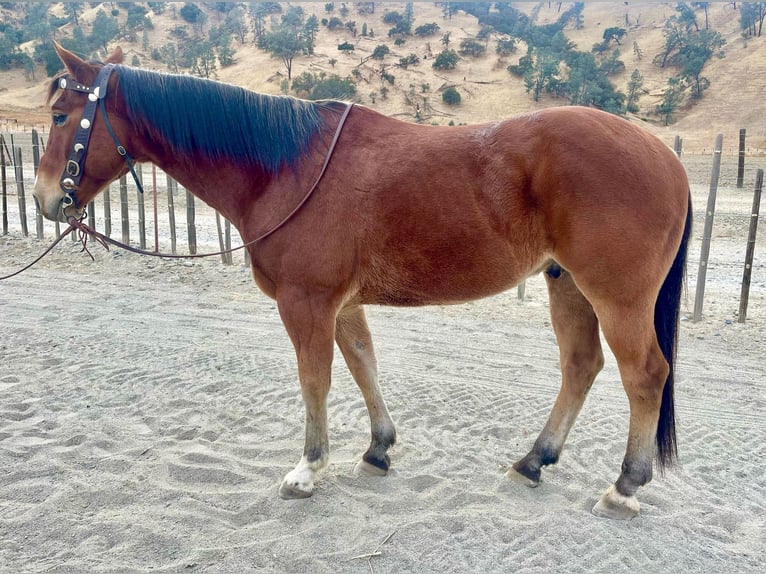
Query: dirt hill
column 733, row 101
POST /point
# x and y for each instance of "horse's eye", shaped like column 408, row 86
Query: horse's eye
column 59, row 119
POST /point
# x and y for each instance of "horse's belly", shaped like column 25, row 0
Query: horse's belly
column 447, row 276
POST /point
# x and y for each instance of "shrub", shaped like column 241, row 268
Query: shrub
column 427, row 29
column 473, row 48
column 446, row 60
column 411, row 60
column 451, row 96
column 380, row 52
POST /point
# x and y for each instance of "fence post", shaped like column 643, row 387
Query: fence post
column 35, row 150
column 20, row 190
column 107, row 212
column 190, row 228
column 92, row 213
column 749, row 251
column 141, row 210
column 678, row 145
column 227, row 238
column 171, row 213
column 154, row 197
column 221, row 246
column 5, row 190
column 708, row 231
column 36, row 164
column 741, row 161
column 124, row 209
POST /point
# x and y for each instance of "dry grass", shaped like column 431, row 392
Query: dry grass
column 734, row 100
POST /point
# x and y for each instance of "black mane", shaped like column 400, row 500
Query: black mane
column 194, row 115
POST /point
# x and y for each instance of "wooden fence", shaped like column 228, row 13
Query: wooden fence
column 167, row 218
column 181, row 224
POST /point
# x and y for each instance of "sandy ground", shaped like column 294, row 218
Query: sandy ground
column 150, row 410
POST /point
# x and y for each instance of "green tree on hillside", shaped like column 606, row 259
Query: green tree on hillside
column 635, row 84
column 288, row 39
column 445, row 60
column 751, row 17
column 693, row 57
column 104, row 29
column 672, row 97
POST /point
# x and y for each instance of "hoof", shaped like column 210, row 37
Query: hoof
column 291, row 490
column 364, row 468
column 616, row 506
column 519, row 478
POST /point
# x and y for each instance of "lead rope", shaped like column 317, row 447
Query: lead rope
column 86, row 231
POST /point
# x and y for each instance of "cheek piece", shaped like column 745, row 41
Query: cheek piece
column 73, row 169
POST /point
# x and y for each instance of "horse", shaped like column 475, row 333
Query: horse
column 341, row 207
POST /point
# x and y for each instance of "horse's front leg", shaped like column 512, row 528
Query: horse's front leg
column 310, row 323
column 355, row 342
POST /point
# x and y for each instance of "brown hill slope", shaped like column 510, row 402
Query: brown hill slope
column 734, row 100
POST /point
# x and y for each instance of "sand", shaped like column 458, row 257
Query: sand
column 149, row 410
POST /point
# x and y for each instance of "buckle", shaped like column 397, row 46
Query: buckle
column 72, row 168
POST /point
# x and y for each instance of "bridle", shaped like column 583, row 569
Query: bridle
column 74, row 166
column 73, row 172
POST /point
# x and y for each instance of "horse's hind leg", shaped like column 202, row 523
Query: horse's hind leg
column 581, row 357
column 354, row 340
column 643, row 370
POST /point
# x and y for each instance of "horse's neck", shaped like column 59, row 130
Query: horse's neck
column 225, row 188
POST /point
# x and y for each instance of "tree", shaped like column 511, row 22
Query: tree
column 410, row 60
column 505, row 46
column 751, row 17
column 451, row 96
column 235, row 23
column 694, row 56
column 672, row 97
column 687, row 17
column 324, row 87
column 614, row 34
column 225, row 52
column 446, row 60
column 543, row 75
column 104, row 29
column 469, row 47
column 704, row 6
column 36, row 22
column 73, row 10
column 202, row 56
column 635, row 84
column 427, row 29
column 288, row 39
column 192, row 14
column 380, row 52
column 310, row 31
column 334, row 23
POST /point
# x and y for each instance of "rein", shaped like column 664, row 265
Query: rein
column 74, row 167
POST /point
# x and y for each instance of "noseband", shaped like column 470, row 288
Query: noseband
column 74, row 166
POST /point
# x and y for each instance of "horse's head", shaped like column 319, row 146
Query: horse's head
column 80, row 159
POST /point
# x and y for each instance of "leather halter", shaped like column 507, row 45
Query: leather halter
column 74, row 166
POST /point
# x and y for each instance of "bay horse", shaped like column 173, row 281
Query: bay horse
column 341, row 207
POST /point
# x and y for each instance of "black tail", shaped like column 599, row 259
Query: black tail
column 666, row 315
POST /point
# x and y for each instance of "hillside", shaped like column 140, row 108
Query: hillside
column 733, row 101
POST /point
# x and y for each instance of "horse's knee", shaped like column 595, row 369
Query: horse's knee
column 583, row 365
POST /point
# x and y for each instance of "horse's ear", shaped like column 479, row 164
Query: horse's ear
column 71, row 62
column 115, row 57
